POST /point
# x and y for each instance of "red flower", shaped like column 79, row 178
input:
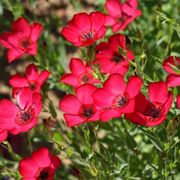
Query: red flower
column 22, row 39
column 109, row 57
column 23, row 116
column 3, row 135
column 80, row 74
column 123, row 13
column 80, row 108
column 85, row 29
column 33, row 79
column 153, row 112
column 41, row 165
column 117, row 97
column 173, row 79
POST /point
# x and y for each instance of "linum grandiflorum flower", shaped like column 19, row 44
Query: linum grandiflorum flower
column 80, row 74
column 22, row 40
column 40, row 166
column 3, row 135
column 80, row 108
column 173, row 79
column 154, row 111
column 113, row 56
column 33, row 79
column 20, row 117
column 122, row 13
column 116, row 97
column 84, row 29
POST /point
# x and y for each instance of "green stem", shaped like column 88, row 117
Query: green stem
column 30, row 144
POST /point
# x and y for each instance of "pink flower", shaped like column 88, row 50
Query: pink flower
column 3, row 135
column 22, row 40
column 109, row 57
column 173, row 79
column 41, row 165
column 80, row 108
column 117, row 97
column 154, row 111
column 33, row 79
column 123, row 13
column 84, row 29
column 80, row 74
column 23, row 116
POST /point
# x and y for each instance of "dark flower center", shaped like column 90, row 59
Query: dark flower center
column 87, row 36
column 117, row 57
column 124, row 17
column 153, row 112
column 121, row 101
column 32, row 86
column 87, row 111
column 43, row 175
column 25, row 43
column 25, row 116
column 85, row 79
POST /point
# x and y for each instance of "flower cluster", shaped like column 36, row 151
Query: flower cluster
column 107, row 96
column 22, row 115
column 104, row 86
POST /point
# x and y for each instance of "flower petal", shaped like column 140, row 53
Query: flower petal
column 31, row 72
column 158, row 92
column 21, row 25
column 70, row 104
column 43, row 76
column 8, row 112
column 36, row 29
column 73, row 120
column 18, row 81
column 98, row 20
column 24, row 98
column 168, row 103
column 71, row 36
column 173, row 80
column 42, row 157
column 136, row 118
column 24, row 128
column 84, row 93
column 3, row 135
column 171, row 61
column 76, row 66
column 113, row 7
column 109, row 114
column 55, row 161
column 115, row 84
column 133, row 86
column 81, row 22
column 103, row 98
column 37, row 103
column 69, row 79
column 28, row 167
column 13, row 54
column 129, row 108
column 4, row 40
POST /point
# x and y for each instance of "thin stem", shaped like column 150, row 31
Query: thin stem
column 29, row 141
